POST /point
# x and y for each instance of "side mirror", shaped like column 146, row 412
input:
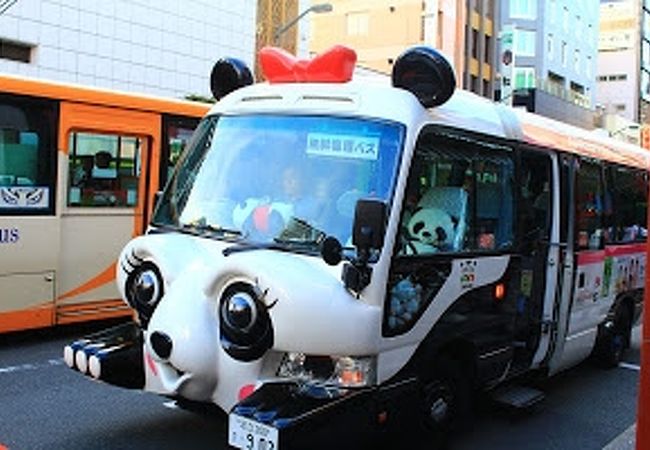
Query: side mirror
column 369, row 225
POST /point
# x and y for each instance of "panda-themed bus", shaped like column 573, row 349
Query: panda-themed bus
column 332, row 260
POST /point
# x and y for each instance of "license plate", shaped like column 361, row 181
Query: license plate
column 248, row 434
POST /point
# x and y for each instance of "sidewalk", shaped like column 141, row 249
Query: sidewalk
column 624, row 441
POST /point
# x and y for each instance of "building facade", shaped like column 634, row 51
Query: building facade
column 380, row 30
column 163, row 48
column 554, row 51
column 480, row 47
column 644, row 87
column 619, row 52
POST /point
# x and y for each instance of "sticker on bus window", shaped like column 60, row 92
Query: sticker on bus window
column 30, row 197
column 343, row 146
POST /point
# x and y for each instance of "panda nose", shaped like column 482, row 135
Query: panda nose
column 442, row 235
column 161, row 344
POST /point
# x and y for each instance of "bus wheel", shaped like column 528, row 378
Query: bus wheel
column 616, row 340
column 446, row 401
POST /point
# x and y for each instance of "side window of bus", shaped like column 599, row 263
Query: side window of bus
column 591, row 205
column 27, row 156
column 535, row 198
column 628, row 190
column 458, row 199
column 103, row 170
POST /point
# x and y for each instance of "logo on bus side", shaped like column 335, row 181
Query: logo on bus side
column 9, row 235
column 468, row 274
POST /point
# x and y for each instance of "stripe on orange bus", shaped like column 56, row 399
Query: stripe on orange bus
column 40, row 317
column 102, row 309
column 106, row 276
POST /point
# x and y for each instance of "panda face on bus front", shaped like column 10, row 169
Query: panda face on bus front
column 230, row 279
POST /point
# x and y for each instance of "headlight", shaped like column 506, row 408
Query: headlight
column 144, row 289
column 339, row 371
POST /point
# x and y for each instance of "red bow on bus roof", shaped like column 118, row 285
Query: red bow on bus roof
column 333, row 66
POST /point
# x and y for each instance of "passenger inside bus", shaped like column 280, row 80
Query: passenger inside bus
column 83, row 171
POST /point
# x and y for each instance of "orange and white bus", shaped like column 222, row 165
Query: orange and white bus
column 79, row 168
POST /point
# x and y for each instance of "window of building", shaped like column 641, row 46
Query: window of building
column 357, row 23
column 563, row 54
column 15, row 51
column 588, row 67
column 486, row 50
column 524, row 77
column 27, row 156
column 104, row 170
column 524, row 42
column 577, row 26
column 645, row 85
column 523, row 9
column 620, row 107
column 549, row 46
column 602, row 77
column 552, row 11
column 577, row 87
column 473, row 84
column 565, row 18
column 576, row 60
column 474, row 43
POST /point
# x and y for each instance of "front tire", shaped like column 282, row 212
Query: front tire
column 447, row 400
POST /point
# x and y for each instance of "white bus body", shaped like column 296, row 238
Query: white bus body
column 468, row 286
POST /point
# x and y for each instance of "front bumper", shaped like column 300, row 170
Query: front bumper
column 114, row 356
column 311, row 417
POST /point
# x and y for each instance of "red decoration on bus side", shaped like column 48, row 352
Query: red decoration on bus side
column 336, row 65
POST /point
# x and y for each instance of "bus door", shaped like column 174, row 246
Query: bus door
column 540, row 253
column 109, row 187
column 28, row 223
column 584, row 299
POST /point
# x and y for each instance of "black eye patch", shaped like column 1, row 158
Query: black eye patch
column 418, row 226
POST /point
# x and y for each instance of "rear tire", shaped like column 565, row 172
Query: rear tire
column 615, row 341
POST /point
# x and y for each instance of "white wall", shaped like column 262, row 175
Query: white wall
column 624, row 92
column 161, row 47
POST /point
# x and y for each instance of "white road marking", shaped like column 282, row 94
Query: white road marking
column 171, row 404
column 30, row 366
column 629, row 366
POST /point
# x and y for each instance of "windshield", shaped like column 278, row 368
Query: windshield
column 264, row 178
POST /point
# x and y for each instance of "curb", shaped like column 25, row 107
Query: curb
column 624, row 441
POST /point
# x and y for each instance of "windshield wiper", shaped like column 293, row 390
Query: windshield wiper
column 200, row 227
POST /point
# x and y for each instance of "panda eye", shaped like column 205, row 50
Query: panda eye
column 418, row 226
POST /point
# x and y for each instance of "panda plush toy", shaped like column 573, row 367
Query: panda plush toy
column 431, row 230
